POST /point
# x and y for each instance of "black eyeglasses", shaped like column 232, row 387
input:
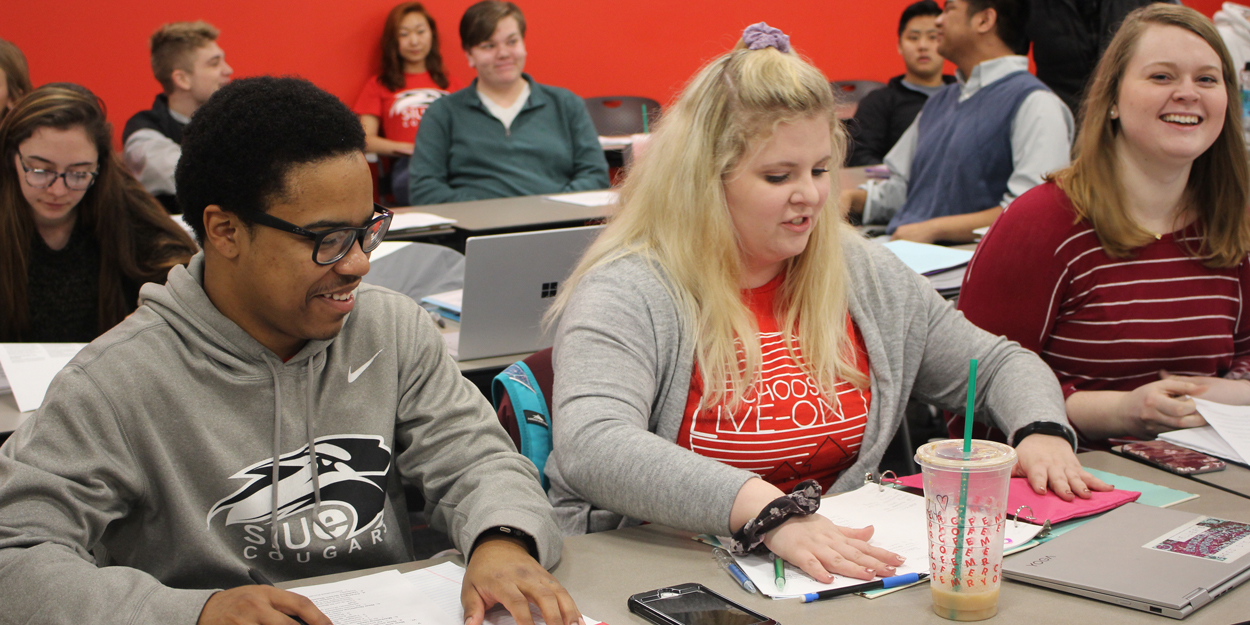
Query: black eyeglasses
column 329, row 246
column 44, row 178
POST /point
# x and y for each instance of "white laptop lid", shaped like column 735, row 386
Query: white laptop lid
column 509, row 282
column 1153, row 559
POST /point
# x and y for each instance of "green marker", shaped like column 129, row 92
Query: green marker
column 779, row 570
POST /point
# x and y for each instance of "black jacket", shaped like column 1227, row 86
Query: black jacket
column 1069, row 37
column 881, row 118
column 158, row 118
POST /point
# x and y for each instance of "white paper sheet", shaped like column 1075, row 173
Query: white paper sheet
column 441, row 584
column 615, row 142
column 899, row 525
column 899, row 522
column 587, row 198
column 386, row 248
column 414, row 221
column 30, row 368
column 385, row 598
column 1231, row 422
column 926, row 259
column 1204, row 439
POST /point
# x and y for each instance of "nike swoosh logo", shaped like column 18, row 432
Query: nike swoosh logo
column 352, row 375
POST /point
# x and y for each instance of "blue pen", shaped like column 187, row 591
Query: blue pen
column 727, row 562
column 885, row 582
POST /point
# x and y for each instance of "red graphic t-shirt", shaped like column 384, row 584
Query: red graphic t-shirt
column 784, row 431
column 401, row 111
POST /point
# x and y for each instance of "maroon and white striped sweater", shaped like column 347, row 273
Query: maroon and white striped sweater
column 1041, row 278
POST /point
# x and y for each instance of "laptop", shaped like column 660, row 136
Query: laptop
column 1152, row 559
column 509, row 282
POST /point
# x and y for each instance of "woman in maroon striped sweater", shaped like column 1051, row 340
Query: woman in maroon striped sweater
column 1127, row 272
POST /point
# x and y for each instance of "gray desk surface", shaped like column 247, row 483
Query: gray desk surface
column 603, row 570
column 513, row 213
column 1234, row 478
column 536, row 211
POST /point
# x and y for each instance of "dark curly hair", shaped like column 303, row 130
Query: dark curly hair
column 239, row 147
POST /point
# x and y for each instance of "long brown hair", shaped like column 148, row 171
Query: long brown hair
column 16, row 73
column 392, row 76
column 1219, row 180
column 137, row 240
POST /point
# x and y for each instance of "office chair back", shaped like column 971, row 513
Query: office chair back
column 852, row 91
column 621, row 115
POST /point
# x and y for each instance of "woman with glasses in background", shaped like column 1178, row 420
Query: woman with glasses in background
column 78, row 234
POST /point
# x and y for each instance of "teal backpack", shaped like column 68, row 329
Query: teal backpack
column 522, row 409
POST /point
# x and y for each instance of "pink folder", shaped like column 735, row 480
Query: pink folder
column 1049, row 507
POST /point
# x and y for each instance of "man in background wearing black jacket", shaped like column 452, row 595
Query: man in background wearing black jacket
column 1069, row 37
column 884, row 114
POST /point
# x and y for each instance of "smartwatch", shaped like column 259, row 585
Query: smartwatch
column 1049, row 428
column 503, row 530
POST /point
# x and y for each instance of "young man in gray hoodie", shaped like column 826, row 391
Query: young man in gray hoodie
column 145, row 483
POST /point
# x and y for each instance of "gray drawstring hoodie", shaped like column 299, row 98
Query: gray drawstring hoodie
column 146, row 480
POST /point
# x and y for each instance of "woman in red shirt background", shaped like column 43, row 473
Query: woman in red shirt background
column 392, row 103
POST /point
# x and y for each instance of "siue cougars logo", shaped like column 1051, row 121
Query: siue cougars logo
column 411, row 104
column 352, row 472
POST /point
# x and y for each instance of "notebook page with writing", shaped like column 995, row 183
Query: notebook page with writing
column 441, row 584
column 898, row 520
column 380, row 599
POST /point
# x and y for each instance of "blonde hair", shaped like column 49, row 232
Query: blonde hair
column 673, row 212
column 1219, row 180
column 173, row 46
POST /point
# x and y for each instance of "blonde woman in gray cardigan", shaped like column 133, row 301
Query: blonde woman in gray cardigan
column 728, row 334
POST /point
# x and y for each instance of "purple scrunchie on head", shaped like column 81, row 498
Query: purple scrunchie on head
column 761, row 35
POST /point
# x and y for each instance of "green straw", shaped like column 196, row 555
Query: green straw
column 644, row 119
column 963, row 478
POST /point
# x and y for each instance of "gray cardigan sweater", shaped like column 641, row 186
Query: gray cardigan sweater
column 623, row 368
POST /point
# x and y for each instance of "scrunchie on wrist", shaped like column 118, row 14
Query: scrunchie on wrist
column 802, row 501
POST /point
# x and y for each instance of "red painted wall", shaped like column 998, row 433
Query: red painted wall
column 594, row 47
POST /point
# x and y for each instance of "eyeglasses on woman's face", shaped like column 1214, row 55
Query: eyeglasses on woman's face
column 44, row 178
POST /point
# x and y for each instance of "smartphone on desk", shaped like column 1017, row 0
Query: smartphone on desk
column 692, row 604
column 1172, row 458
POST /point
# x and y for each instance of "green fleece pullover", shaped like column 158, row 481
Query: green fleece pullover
column 465, row 153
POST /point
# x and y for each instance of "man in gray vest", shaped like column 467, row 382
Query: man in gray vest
column 979, row 143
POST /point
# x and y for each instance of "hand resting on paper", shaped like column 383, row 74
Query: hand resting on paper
column 1048, row 461
column 1218, row 390
column 813, row 543
column 259, row 604
column 501, row 570
column 1143, row 412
